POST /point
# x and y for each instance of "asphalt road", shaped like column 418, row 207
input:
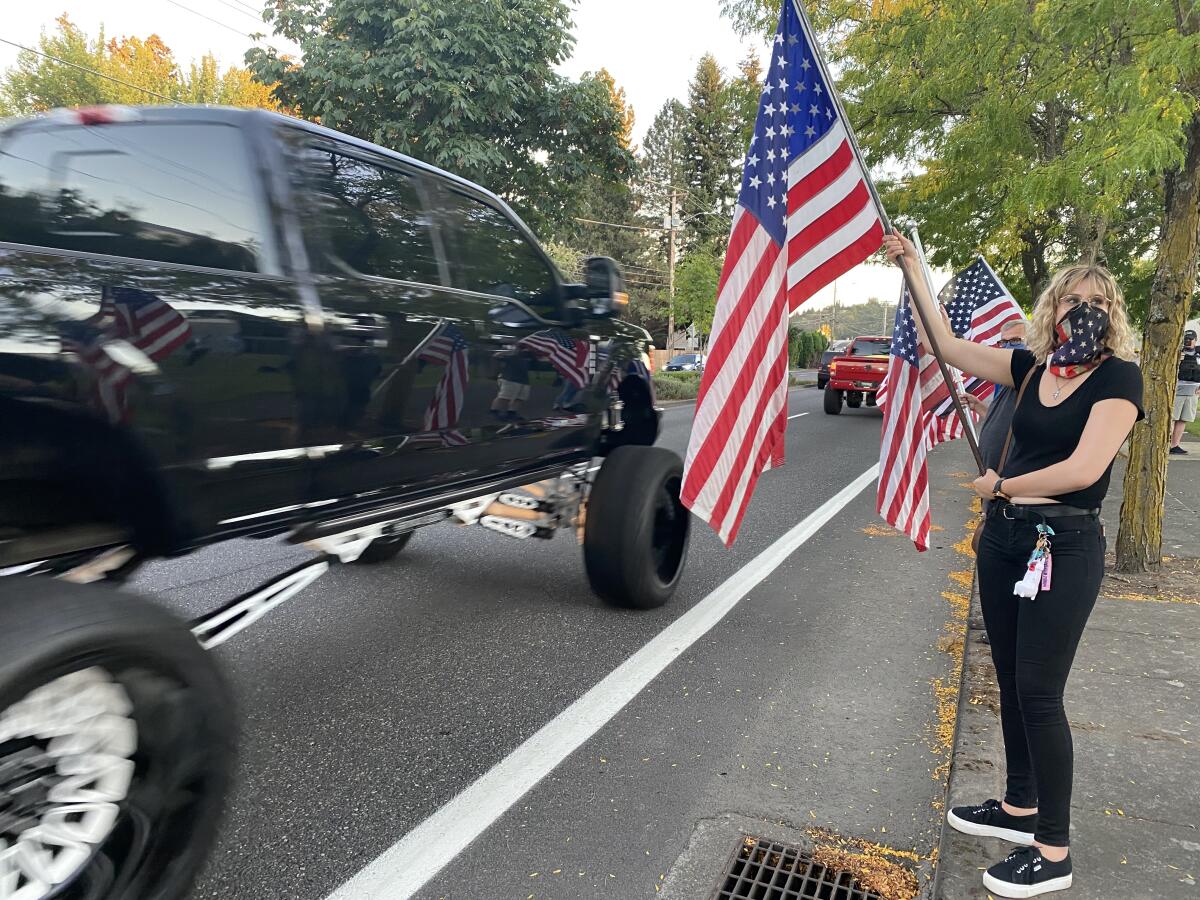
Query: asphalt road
column 381, row 692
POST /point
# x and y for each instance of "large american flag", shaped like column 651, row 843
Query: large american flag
column 902, row 497
column 571, row 358
column 144, row 320
column 804, row 216
column 447, row 348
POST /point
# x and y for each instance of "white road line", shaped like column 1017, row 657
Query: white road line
column 405, row 867
column 796, row 416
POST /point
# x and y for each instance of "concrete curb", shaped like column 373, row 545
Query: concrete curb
column 976, row 770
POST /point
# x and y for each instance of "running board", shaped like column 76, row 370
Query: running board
column 241, row 612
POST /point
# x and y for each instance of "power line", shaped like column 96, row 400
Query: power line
column 136, row 87
column 209, row 18
column 257, row 12
column 239, row 9
column 618, row 225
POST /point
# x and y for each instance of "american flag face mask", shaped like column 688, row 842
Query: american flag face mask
column 1079, row 341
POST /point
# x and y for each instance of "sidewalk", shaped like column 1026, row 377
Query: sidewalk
column 1134, row 706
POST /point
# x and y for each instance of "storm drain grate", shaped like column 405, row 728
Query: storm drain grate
column 767, row 870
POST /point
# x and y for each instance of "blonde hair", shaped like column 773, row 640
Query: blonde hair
column 1119, row 339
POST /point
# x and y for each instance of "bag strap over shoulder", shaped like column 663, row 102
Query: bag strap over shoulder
column 1008, row 440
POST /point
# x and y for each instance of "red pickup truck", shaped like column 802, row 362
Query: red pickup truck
column 855, row 376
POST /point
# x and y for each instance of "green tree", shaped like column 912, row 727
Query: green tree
column 620, row 103
column 752, row 18
column 745, row 94
column 849, row 321
column 567, row 258
column 36, row 84
column 1158, row 77
column 713, row 140
column 696, row 290
column 663, row 163
column 605, row 222
column 663, row 169
column 129, row 70
column 470, row 87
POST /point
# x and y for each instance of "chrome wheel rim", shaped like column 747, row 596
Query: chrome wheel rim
column 66, row 767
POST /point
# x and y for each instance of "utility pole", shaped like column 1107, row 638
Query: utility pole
column 671, row 271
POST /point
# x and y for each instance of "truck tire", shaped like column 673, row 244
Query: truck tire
column 636, row 530
column 833, row 401
column 385, row 548
column 126, row 683
column 854, row 399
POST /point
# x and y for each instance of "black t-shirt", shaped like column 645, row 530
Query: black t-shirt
column 1043, row 436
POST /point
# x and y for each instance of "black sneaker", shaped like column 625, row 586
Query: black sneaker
column 1026, row 873
column 990, row 820
column 1177, row 450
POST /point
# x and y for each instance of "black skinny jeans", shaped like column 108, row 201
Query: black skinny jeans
column 1033, row 646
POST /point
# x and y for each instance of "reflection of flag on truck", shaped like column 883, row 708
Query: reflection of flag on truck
column 110, row 379
column 448, row 348
column 142, row 319
column 570, row 357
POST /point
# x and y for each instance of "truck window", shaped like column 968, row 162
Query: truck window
column 172, row 192
column 368, row 217
column 489, row 254
column 870, row 347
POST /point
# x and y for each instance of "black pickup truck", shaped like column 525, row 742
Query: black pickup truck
column 223, row 323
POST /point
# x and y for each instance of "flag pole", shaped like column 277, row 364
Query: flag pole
column 909, row 277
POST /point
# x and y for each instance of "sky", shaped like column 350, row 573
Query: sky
column 651, row 47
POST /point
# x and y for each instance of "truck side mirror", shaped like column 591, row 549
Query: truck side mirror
column 606, row 292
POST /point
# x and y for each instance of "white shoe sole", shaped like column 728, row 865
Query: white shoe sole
column 1005, row 834
column 1004, row 889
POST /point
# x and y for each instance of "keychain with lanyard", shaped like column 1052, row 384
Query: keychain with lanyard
column 1037, row 570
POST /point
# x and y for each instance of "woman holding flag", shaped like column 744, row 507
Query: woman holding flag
column 1041, row 554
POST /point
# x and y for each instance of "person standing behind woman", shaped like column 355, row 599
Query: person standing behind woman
column 1186, row 387
column 997, row 415
column 1082, row 398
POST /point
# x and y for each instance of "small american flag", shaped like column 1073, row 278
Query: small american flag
column 978, row 305
column 571, row 358
column 144, row 320
column 902, row 497
column 804, row 216
column 447, row 348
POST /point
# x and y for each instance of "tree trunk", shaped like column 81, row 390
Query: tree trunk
column 1033, row 262
column 1139, row 539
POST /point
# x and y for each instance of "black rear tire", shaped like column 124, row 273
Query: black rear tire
column 854, row 400
column 833, row 401
column 384, row 549
column 182, row 714
column 636, row 533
